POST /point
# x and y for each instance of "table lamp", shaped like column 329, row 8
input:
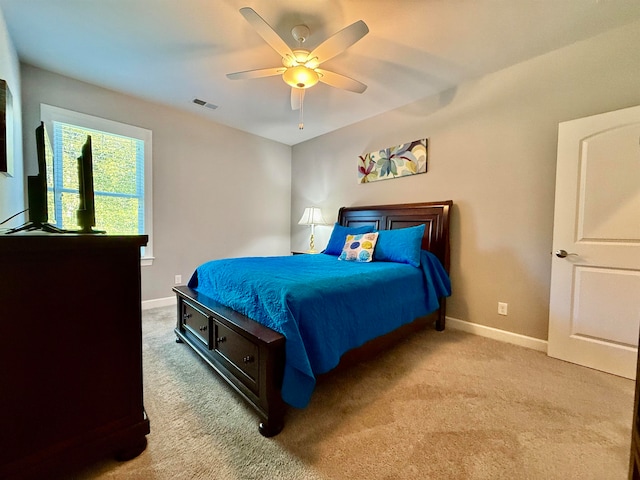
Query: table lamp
column 312, row 216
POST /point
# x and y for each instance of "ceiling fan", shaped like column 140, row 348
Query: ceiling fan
column 300, row 67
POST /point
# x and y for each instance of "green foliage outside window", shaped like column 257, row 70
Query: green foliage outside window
column 118, row 180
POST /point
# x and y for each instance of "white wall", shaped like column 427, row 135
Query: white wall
column 12, row 199
column 217, row 192
column 493, row 152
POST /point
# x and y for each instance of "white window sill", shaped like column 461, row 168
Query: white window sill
column 146, row 261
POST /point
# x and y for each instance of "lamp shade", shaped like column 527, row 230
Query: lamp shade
column 312, row 216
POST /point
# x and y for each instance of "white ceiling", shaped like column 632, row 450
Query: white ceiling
column 172, row 51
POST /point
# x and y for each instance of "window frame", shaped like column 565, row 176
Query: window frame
column 50, row 114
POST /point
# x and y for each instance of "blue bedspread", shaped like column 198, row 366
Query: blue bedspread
column 324, row 307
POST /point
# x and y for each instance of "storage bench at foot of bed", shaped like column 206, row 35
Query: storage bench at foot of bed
column 249, row 356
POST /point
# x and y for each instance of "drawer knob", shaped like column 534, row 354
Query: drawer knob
column 186, row 316
column 248, row 359
column 202, row 328
column 221, row 339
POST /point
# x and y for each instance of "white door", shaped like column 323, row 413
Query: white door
column 594, row 310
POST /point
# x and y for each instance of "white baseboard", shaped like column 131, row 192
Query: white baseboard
column 497, row 334
column 158, row 302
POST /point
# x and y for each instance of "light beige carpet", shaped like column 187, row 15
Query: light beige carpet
column 441, row 405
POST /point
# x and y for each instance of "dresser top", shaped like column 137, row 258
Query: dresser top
column 24, row 241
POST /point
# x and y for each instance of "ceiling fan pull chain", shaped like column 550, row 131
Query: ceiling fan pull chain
column 301, row 121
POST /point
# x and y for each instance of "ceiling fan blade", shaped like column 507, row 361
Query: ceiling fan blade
column 340, row 81
column 259, row 73
column 266, row 32
column 297, row 95
column 340, row 41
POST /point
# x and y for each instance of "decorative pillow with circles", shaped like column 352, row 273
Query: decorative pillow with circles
column 359, row 248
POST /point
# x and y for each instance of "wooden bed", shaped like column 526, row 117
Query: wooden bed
column 250, row 357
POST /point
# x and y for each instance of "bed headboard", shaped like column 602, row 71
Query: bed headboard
column 435, row 216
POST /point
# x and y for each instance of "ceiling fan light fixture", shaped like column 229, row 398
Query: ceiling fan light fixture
column 300, row 77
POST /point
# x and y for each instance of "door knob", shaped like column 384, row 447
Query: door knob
column 563, row 253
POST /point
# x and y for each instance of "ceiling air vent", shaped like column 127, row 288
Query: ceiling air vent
column 202, row 103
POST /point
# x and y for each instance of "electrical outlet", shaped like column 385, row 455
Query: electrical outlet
column 502, row 308
column 177, row 280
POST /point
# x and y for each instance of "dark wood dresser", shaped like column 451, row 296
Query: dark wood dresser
column 71, row 353
column 634, row 463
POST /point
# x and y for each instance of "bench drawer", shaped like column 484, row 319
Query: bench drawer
column 240, row 353
column 197, row 323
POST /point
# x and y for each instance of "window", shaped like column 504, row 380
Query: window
column 121, row 173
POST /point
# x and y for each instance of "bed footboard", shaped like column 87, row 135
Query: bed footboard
column 247, row 355
column 250, row 357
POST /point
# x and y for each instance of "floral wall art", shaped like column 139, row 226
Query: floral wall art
column 399, row 161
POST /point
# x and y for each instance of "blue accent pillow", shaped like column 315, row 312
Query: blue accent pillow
column 402, row 245
column 339, row 236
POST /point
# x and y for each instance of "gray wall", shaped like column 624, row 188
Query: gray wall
column 493, row 152
column 12, row 188
column 217, row 192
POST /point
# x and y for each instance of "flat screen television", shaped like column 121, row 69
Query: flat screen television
column 37, row 189
column 86, row 209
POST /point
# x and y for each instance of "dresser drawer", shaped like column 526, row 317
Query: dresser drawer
column 240, row 353
column 198, row 323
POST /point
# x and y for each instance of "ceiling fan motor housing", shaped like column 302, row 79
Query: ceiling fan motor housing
column 300, row 33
